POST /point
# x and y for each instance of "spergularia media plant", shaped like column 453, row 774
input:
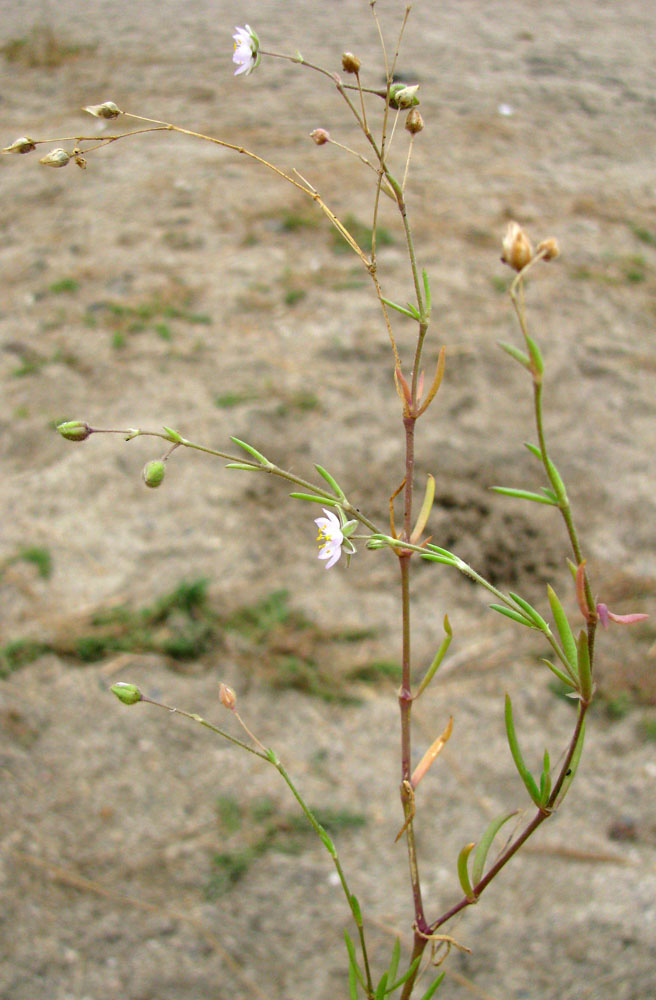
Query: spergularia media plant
column 344, row 526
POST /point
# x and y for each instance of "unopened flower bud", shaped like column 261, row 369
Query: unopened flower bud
column 22, row 145
column 350, row 63
column 227, row 696
column 549, row 249
column 402, row 96
column 414, row 122
column 153, row 473
column 517, row 250
column 321, row 136
column 55, row 158
column 74, row 430
column 127, row 693
column 106, row 110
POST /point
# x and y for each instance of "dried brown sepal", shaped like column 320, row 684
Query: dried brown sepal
column 548, row 249
column 414, row 122
column 320, row 136
column 350, row 63
column 517, row 249
column 227, row 696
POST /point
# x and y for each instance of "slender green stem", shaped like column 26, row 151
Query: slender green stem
column 271, row 758
column 101, row 141
column 208, row 725
column 328, row 844
column 270, row 468
column 405, row 693
column 537, row 821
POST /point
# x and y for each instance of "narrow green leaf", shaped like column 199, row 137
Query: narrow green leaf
column 173, row 435
column 432, row 989
column 576, row 757
column 439, row 656
column 565, row 678
column 549, row 493
column 444, row 560
column 394, row 961
column 242, row 465
column 556, row 482
column 545, row 780
column 563, row 627
column 327, row 842
column 407, row 311
column 356, row 911
column 536, row 357
column 584, row 669
column 326, row 501
column 425, row 510
column 380, row 989
column 530, row 611
column 483, row 848
column 442, row 552
column 515, row 353
column 353, row 984
column 524, row 495
column 353, row 962
column 515, row 615
column 463, row 871
column 411, row 970
column 334, row 485
column 524, row 773
column 534, row 450
column 427, row 291
column 251, row 451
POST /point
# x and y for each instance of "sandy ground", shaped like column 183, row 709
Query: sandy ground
column 173, row 283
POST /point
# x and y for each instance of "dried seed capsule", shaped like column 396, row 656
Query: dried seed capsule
column 55, row 158
column 350, row 63
column 106, row 110
column 22, row 145
column 517, row 250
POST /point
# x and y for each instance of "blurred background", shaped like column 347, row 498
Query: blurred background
column 173, row 282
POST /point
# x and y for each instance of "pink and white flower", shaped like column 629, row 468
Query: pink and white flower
column 330, row 537
column 247, row 50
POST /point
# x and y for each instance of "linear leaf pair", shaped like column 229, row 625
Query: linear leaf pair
column 480, row 857
column 540, row 796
